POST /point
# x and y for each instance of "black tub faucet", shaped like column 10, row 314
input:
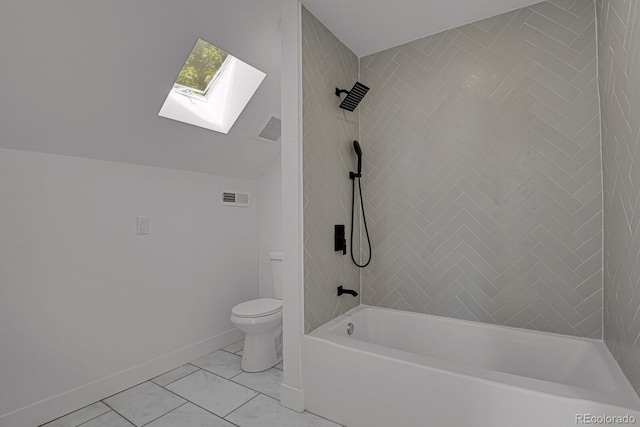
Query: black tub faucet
column 341, row 291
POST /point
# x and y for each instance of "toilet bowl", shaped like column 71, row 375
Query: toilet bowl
column 261, row 321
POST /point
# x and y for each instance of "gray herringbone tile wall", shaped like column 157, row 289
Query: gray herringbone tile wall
column 327, row 135
column 483, row 172
column 619, row 77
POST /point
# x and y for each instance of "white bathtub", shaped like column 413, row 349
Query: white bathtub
column 405, row 369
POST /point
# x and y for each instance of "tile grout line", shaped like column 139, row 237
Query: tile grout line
column 109, row 397
column 193, row 403
column 186, row 401
column 77, row 410
column 80, row 425
column 128, row 388
column 177, row 379
column 220, row 376
column 239, row 373
column 231, row 379
column 257, row 391
column 305, row 411
column 150, row 381
column 164, row 387
column 128, row 420
column 225, row 417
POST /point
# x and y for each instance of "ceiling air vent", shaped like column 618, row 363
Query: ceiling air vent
column 271, row 130
column 234, row 199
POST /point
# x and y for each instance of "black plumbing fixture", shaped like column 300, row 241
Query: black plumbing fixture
column 358, row 150
column 354, row 96
column 339, row 240
column 341, row 291
column 353, row 176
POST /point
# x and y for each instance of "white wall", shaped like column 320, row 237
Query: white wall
column 83, row 298
column 104, row 69
column 269, row 224
column 291, row 390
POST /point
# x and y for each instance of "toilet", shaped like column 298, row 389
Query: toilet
column 261, row 321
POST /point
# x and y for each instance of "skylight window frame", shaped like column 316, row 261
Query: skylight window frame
column 220, row 105
column 200, row 95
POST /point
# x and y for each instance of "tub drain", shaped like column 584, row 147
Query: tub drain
column 350, row 328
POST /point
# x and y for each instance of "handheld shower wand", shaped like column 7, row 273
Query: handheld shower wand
column 353, row 176
column 358, row 150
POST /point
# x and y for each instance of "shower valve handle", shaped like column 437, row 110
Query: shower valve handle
column 339, row 239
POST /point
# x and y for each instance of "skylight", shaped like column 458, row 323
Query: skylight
column 202, row 66
column 212, row 89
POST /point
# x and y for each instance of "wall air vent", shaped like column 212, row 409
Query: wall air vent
column 271, row 130
column 229, row 198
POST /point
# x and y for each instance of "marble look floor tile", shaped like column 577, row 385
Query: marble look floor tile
column 144, row 403
column 80, row 416
column 220, row 363
column 235, row 347
column 110, row 419
column 189, row 415
column 212, row 392
column 174, row 375
column 267, row 382
column 264, row 411
column 280, row 366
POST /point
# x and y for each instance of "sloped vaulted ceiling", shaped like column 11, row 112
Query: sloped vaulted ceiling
column 87, row 79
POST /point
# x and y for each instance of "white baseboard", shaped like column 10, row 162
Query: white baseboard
column 71, row 400
column 292, row 397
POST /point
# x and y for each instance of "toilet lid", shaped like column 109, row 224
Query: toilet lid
column 257, row 307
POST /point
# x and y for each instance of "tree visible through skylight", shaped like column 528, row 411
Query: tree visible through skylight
column 202, row 66
column 212, row 89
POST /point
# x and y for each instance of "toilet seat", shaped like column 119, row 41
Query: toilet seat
column 260, row 307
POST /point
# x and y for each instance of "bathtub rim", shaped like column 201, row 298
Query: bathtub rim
column 623, row 397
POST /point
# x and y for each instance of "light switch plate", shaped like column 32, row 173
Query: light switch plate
column 142, row 225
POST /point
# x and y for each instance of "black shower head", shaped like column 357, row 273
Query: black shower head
column 354, row 96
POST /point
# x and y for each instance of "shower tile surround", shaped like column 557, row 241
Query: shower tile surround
column 328, row 132
column 482, row 171
column 619, row 78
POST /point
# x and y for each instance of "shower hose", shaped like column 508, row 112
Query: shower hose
column 364, row 219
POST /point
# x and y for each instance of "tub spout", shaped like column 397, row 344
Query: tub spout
column 341, row 291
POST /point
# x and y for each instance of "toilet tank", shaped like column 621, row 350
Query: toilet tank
column 276, row 273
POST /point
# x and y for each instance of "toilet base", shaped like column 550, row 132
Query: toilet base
column 262, row 351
